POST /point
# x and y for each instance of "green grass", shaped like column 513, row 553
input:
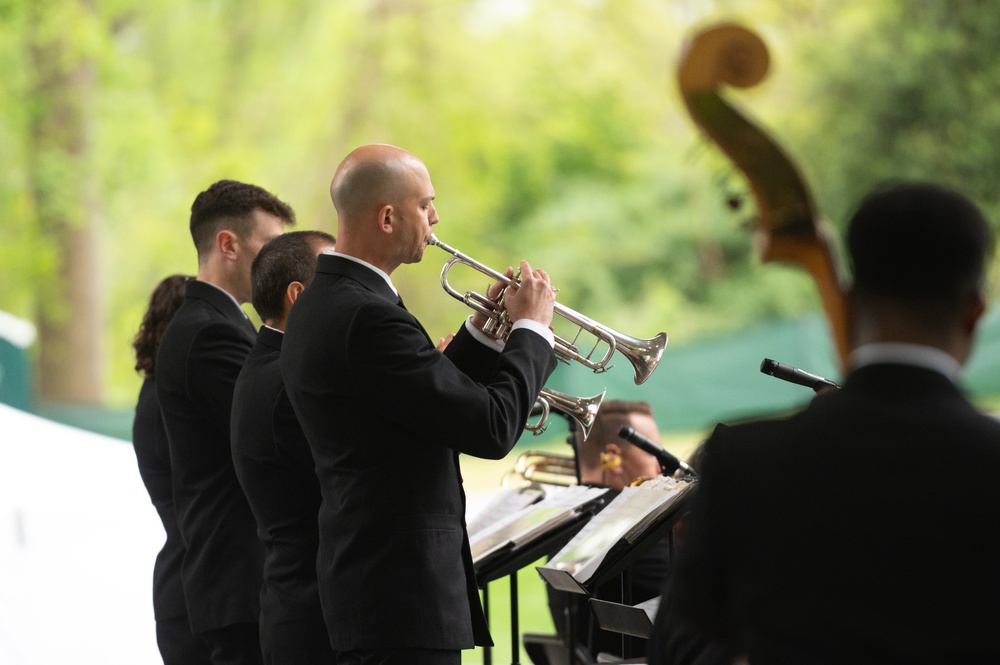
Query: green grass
column 533, row 615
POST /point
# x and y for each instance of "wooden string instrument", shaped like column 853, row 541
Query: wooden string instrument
column 787, row 224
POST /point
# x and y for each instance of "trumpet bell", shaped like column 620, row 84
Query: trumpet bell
column 644, row 354
column 581, row 410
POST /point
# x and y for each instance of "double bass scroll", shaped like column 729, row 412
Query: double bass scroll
column 787, row 224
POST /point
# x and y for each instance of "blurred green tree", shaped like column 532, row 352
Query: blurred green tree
column 553, row 131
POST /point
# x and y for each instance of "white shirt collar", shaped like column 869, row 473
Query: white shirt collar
column 378, row 271
column 899, row 353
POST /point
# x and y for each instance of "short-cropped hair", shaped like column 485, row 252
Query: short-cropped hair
column 915, row 242
column 612, row 415
column 290, row 257
column 229, row 204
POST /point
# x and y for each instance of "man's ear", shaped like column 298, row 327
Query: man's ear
column 385, row 218
column 293, row 291
column 225, row 242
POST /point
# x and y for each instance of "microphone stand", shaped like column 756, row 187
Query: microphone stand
column 668, row 463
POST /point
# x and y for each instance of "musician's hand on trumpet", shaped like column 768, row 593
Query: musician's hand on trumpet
column 534, row 298
column 479, row 318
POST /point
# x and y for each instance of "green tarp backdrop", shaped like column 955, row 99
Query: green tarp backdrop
column 697, row 384
column 702, row 382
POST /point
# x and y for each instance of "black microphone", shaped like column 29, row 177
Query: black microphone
column 668, row 463
column 795, row 375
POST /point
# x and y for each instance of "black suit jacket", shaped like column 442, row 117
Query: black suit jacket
column 276, row 470
column 149, row 439
column 861, row 530
column 200, row 356
column 386, row 415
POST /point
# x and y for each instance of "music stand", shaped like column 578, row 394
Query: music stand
column 511, row 560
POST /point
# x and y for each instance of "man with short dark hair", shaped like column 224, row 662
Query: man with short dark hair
column 273, row 462
column 201, row 354
column 861, row 530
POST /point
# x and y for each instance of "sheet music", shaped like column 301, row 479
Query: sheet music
column 502, row 505
column 533, row 520
column 626, row 517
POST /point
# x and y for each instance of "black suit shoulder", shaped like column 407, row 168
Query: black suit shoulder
column 867, row 499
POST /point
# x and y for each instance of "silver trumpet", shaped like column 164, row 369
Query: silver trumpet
column 644, row 354
column 583, row 410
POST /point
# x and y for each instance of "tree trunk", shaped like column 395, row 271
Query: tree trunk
column 64, row 187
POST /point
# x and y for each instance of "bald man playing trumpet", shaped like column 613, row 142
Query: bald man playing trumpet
column 386, row 415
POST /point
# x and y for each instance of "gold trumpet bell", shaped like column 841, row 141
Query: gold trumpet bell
column 537, row 467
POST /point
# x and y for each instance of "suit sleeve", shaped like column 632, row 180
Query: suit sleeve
column 214, row 363
column 472, row 357
column 289, row 441
column 397, row 363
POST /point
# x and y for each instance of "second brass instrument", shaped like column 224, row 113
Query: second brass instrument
column 583, row 410
column 643, row 354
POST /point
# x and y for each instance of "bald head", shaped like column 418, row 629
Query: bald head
column 370, row 177
column 385, row 206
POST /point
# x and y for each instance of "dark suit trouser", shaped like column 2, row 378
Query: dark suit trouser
column 238, row 644
column 399, row 657
column 178, row 645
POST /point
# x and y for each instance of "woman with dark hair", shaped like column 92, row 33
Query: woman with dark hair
column 149, row 438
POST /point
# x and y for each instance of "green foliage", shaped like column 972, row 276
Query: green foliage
column 553, row 132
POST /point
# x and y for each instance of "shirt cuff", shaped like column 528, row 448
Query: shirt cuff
column 537, row 327
column 482, row 337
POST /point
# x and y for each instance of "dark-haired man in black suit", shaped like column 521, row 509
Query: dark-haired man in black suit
column 862, row 530
column 201, row 355
column 387, row 414
column 273, row 462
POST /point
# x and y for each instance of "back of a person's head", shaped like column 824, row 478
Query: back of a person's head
column 290, row 257
column 166, row 299
column 915, row 243
column 229, row 204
